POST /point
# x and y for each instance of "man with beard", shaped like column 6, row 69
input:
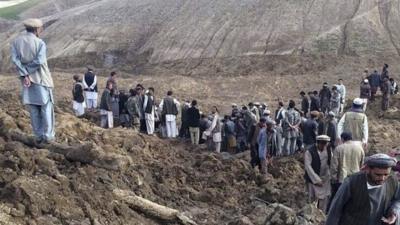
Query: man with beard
column 370, row 197
column 317, row 161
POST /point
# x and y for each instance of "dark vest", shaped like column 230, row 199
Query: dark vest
column 150, row 104
column 316, row 161
column 169, row 107
column 89, row 79
column 77, row 92
column 357, row 210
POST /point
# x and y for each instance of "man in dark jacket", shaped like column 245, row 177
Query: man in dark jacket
column 169, row 110
column 123, row 112
column 229, row 134
column 370, row 197
column 204, row 125
column 310, row 130
column 107, row 120
column 375, row 81
column 315, row 104
column 252, row 140
column 90, row 87
column 184, row 131
column 305, row 104
column 325, row 97
column 241, row 134
column 78, row 103
column 385, row 72
column 330, row 129
column 193, row 120
column 132, row 106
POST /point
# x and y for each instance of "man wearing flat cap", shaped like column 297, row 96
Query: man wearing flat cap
column 317, row 162
column 28, row 53
column 355, row 122
column 370, row 197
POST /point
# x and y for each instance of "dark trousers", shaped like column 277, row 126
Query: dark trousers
column 373, row 92
column 143, row 127
column 255, row 160
column 184, row 131
column 335, row 187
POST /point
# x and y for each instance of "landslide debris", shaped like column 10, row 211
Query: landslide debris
column 75, row 180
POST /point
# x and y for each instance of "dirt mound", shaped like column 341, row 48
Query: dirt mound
column 384, row 128
column 75, row 180
column 72, row 181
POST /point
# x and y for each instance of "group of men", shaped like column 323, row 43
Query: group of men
column 355, row 189
column 374, row 82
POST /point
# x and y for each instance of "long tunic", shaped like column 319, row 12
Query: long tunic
column 262, row 143
column 28, row 53
column 292, row 118
column 342, row 91
column 324, row 176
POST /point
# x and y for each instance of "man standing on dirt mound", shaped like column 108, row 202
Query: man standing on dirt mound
column 169, row 107
column 370, row 197
column 28, row 53
column 355, row 122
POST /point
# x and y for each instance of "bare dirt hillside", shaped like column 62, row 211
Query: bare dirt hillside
column 211, row 37
column 51, row 7
column 80, row 179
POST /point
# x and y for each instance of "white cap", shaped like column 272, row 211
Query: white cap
column 323, row 138
column 358, row 101
column 234, row 104
column 256, row 103
column 366, row 81
column 267, row 112
column 34, row 23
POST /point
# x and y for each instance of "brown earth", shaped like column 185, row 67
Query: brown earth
column 45, row 186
